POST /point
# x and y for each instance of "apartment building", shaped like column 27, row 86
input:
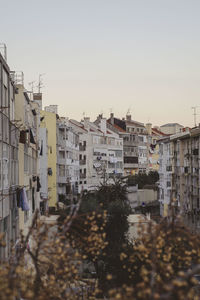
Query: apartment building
column 43, row 170
column 67, row 161
column 154, row 134
column 179, row 175
column 27, row 115
column 165, row 174
column 171, row 128
column 185, row 183
column 9, row 178
column 48, row 159
column 101, row 153
column 135, row 141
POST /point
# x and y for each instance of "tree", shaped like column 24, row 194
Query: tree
column 161, row 264
column 109, row 207
column 142, row 179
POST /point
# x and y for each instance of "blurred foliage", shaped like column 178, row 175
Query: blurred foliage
column 143, row 179
column 48, row 263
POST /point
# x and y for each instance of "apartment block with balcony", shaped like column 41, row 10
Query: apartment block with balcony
column 179, row 175
column 154, row 134
column 27, row 114
column 101, row 153
column 9, row 176
column 165, row 174
column 49, row 121
column 185, row 184
column 67, row 160
column 43, row 169
column 135, row 141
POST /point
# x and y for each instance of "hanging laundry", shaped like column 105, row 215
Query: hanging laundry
column 38, row 184
column 50, row 172
column 23, row 200
column 34, row 112
column 32, row 140
column 18, row 197
column 41, row 149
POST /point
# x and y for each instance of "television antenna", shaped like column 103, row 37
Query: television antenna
column 3, row 50
column 40, row 83
column 32, row 85
column 194, row 108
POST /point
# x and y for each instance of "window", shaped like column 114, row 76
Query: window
column 5, row 128
column 5, row 166
column 62, row 171
column 131, row 160
column 168, row 184
column 141, row 139
column 26, row 158
column 118, row 153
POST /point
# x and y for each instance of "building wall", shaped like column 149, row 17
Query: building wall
column 171, row 128
column 9, row 139
column 101, row 153
column 67, row 160
column 49, row 122
column 165, row 176
column 27, row 112
column 43, row 169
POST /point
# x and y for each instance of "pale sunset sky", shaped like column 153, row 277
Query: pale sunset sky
column 103, row 55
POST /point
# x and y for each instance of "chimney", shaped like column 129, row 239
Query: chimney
column 86, row 122
column 149, row 128
column 112, row 118
column 103, row 125
column 128, row 118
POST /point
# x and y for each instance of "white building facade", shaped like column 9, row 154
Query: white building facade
column 100, row 153
column 165, row 174
column 67, row 160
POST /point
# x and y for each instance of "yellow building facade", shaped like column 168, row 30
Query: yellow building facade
column 48, row 121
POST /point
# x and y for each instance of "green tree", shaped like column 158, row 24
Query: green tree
column 142, row 179
column 110, row 208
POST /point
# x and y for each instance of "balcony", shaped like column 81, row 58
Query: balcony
column 131, row 143
column 61, row 161
column 195, row 151
column 82, row 176
column 169, row 168
column 82, row 162
column 130, row 166
column 82, row 148
column 129, row 153
column 62, row 179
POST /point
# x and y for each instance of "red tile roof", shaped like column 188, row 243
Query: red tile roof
column 118, row 128
column 155, row 130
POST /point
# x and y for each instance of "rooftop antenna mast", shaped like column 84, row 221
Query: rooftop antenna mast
column 128, row 111
column 4, row 48
column 194, row 108
column 32, row 86
column 40, row 83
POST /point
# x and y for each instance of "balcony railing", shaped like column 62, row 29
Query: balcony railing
column 82, row 162
column 82, row 176
column 82, row 148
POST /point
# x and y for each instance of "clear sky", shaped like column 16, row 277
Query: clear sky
column 103, row 55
